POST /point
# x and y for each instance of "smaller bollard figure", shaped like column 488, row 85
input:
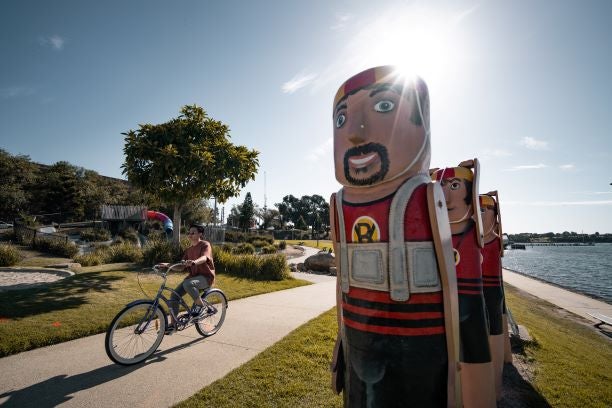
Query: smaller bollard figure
column 493, row 284
column 460, row 187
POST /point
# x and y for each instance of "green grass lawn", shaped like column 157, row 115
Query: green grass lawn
column 86, row 303
column 573, row 361
column 323, row 243
column 571, row 364
column 292, row 373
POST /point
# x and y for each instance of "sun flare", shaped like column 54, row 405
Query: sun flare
column 418, row 42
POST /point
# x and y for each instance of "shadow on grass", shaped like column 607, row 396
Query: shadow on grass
column 60, row 388
column 69, row 293
column 518, row 392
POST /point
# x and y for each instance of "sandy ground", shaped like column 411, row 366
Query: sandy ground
column 24, row 278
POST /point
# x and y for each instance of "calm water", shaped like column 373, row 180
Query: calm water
column 585, row 269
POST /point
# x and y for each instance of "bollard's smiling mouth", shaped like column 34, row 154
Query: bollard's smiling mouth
column 366, row 164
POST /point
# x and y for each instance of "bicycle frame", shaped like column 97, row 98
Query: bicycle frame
column 160, row 296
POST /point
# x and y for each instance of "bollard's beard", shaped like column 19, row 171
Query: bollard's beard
column 371, row 160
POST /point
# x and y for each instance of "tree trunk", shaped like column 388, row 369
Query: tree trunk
column 176, row 219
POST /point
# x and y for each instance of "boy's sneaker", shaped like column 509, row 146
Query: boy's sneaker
column 196, row 310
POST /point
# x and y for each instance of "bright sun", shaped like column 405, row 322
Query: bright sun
column 416, row 41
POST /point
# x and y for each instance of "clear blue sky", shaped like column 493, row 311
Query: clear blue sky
column 524, row 86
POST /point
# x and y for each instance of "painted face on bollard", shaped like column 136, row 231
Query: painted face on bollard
column 378, row 132
column 489, row 217
column 456, row 183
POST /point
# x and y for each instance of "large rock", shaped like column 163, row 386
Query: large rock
column 320, row 262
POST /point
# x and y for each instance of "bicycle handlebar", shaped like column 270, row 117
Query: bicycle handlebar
column 164, row 269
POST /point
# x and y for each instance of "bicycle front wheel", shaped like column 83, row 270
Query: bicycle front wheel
column 215, row 303
column 135, row 333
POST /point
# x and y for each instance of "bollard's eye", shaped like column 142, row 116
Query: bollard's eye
column 340, row 120
column 384, row 106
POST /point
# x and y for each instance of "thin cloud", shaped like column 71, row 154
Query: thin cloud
column 297, row 82
column 567, row 167
column 321, row 150
column 559, row 203
column 55, row 42
column 496, row 153
column 16, row 92
column 528, row 167
column 534, row 144
column 591, row 192
column 341, row 21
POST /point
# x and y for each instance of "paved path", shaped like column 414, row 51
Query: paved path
column 79, row 374
column 573, row 302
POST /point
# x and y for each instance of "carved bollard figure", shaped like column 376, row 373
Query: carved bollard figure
column 398, row 341
column 460, row 186
column 493, row 284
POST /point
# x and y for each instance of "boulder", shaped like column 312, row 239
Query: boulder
column 320, row 262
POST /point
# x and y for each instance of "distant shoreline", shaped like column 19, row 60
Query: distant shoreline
column 589, row 295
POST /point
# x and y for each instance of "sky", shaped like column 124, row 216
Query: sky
column 524, row 86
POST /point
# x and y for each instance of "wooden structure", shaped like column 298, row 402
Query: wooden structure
column 119, row 217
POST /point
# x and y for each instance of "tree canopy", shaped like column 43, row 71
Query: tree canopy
column 308, row 210
column 187, row 157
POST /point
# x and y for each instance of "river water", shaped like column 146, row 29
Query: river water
column 583, row 269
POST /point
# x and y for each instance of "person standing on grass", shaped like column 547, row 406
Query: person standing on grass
column 199, row 262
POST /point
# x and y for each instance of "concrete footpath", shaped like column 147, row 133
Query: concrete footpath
column 571, row 301
column 79, row 374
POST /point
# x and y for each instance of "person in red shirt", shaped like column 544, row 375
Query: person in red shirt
column 198, row 261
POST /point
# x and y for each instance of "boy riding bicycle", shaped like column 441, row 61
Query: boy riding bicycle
column 198, row 261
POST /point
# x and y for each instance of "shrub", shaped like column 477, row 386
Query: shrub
column 9, row 255
column 129, row 234
column 235, row 236
column 255, row 238
column 61, row 248
column 268, row 249
column 156, row 235
column 91, row 259
column 123, row 252
column 95, row 234
column 282, row 245
column 269, row 267
column 226, row 247
column 156, row 251
column 258, row 243
column 243, row 248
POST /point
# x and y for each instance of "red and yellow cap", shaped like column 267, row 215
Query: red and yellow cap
column 486, row 201
column 365, row 78
column 453, row 172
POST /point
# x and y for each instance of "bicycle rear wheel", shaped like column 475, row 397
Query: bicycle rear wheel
column 135, row 333
column 215, row 303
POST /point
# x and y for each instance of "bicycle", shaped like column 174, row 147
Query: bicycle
column 137, row 330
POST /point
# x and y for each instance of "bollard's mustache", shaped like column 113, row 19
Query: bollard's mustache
column 364, row 150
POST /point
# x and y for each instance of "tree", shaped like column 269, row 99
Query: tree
column 187, row 157
column 247, row 212
column 313, row 210
column 18, row 175
column 60, row 192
